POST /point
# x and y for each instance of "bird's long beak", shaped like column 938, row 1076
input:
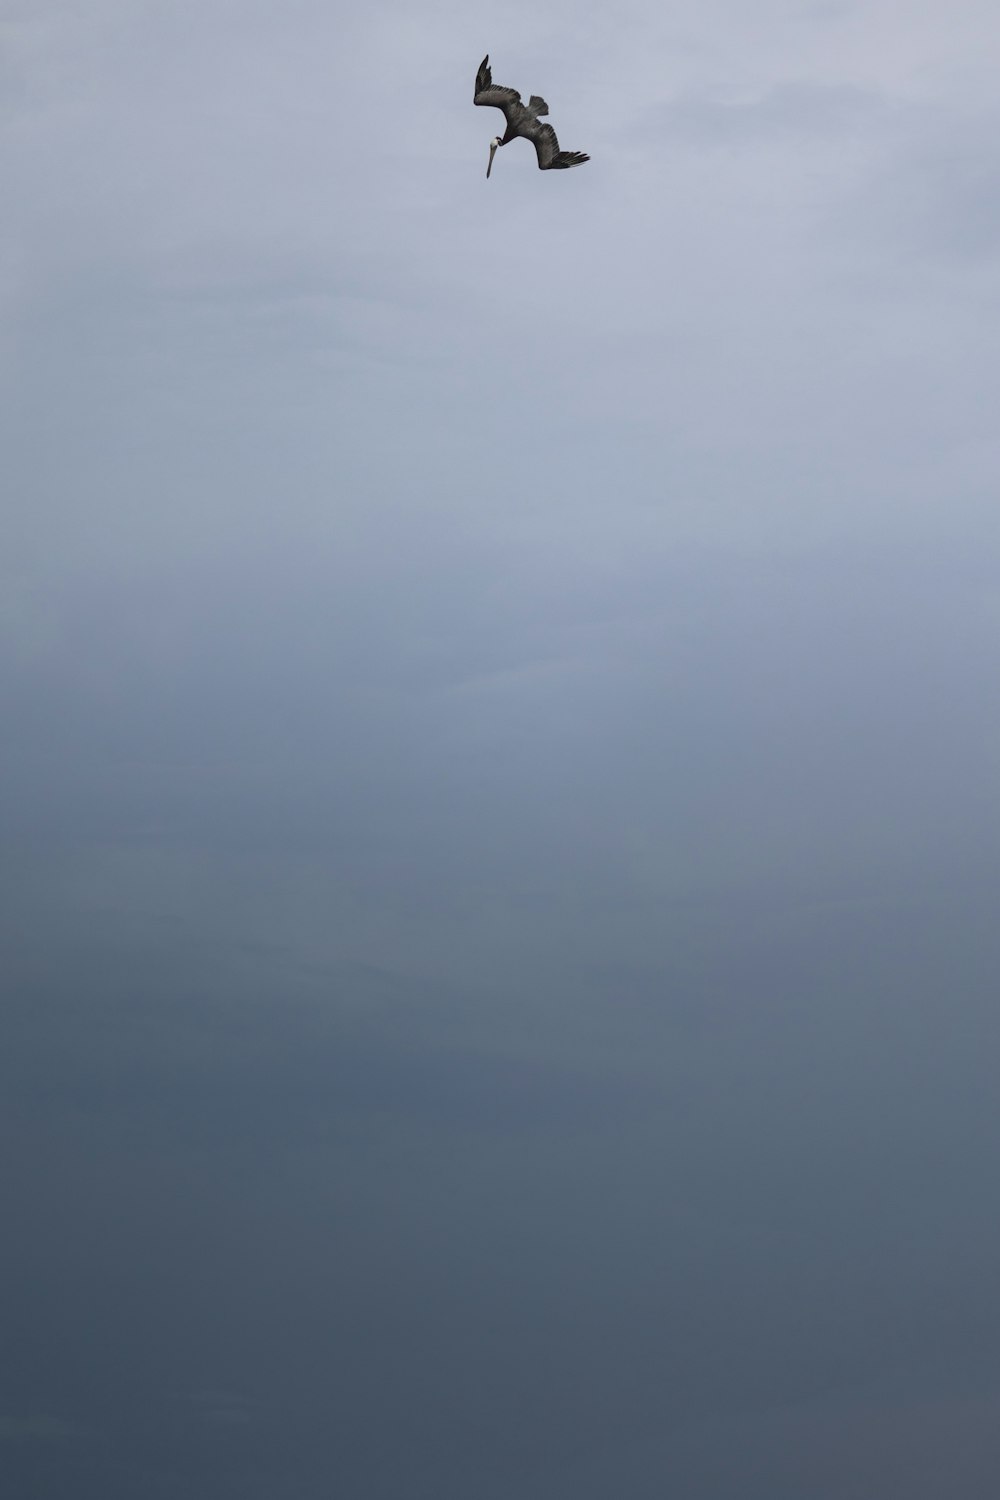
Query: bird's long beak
column 493, row 152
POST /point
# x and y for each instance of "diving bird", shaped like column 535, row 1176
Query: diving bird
column 522, row 119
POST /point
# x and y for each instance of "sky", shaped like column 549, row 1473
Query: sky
column 500, row 814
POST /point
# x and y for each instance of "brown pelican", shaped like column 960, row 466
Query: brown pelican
column 522, row 119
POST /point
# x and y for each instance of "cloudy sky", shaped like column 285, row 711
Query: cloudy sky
column 501, row 771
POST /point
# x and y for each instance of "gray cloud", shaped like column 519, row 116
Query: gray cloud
column 499, row 834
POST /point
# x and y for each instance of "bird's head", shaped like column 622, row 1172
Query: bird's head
column 495, row 143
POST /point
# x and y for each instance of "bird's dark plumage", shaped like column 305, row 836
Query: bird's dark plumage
column 522, row 119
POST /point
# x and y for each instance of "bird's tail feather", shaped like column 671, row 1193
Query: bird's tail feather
column 537, row 105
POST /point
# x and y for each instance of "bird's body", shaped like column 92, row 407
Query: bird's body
column 523, row 119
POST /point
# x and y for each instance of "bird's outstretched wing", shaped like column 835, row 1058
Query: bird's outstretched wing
column 548, row 153
column 488, row 92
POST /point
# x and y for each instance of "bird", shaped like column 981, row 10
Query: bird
column 522, row 119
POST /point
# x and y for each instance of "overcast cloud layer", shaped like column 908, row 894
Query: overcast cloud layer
column 501, row 794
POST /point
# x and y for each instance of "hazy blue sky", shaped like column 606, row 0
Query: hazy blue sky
column 501, row 756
